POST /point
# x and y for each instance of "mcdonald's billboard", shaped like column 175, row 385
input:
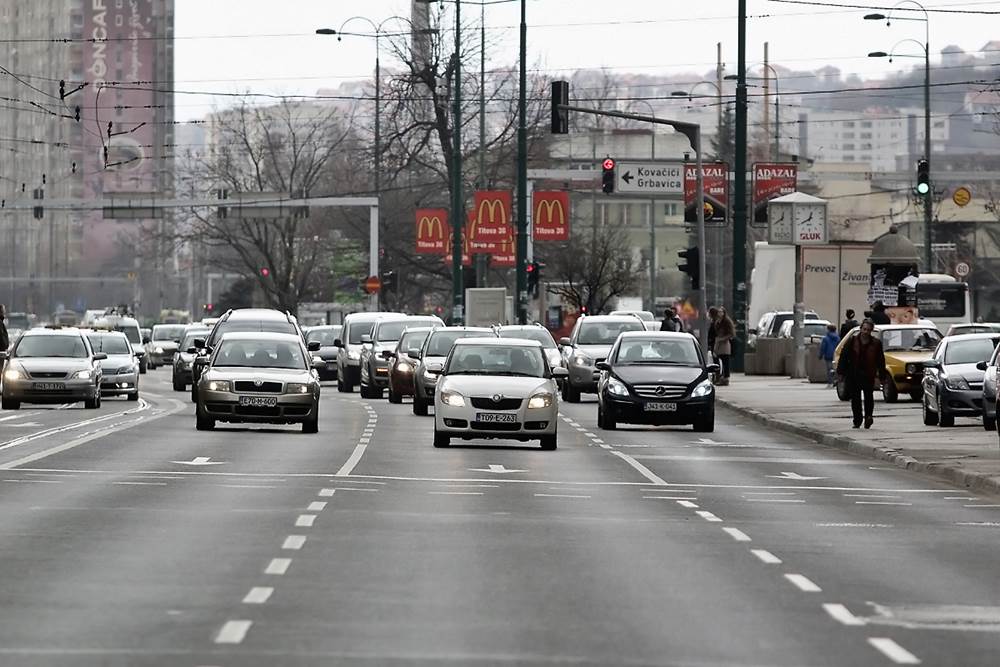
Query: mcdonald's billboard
column 433, row 231
column 505, row 256
column 466, row 255
column 550, row 216
column 491, row 222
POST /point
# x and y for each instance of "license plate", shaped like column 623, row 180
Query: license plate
column 48, row 386
column 495, row 418
column 259, row 401
column 661, row 407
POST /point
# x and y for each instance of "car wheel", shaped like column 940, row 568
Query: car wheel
column 945, row 419
column 179, row 385
column 194, row 392
column 92, row 403
column 705, row 423
column 394, row 397
column 606, row 419
column 142, row 367
column 10, row 404
column 989, row 423
column 549, row 442
column 930, row 417
column 134, row 397
column 572, row 393
column 419, row 406
column 311, row 425
column 842, row 390
column 889, row 392
column 441, row 439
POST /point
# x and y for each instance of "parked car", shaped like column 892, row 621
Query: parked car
column 434, row 351
column 953, row 378
column 403, row 362
column 52, row 364
column 810, row 328
column 656, row 378
column 588, row 345
column 496, row 388
column 356, row 325
column 770, row 324
column 384, row 336
column 120, row 368
column 906, row 347
column 326, row 335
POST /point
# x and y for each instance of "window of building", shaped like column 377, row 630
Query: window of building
column 866, row 123
column 848, row 123
column 848, row 147
column 866, row 135
column 848, row 135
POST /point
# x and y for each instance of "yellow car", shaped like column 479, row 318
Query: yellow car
column 906, row 347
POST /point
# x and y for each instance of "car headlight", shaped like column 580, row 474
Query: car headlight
column 912, row 368
column 297, row 388
column 617, row 387
column 583, row 360
column 956, row 382
column 703, row 388
column 540, row 401
column 404, row 367
column 158, row 350
column 453, row 399
column 13, row 374
column 82, row 375
column 219, row 385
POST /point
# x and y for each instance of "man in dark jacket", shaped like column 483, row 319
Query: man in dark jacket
column 849, row 322
column 671, row 322
column 862, row 366
column 4, row 338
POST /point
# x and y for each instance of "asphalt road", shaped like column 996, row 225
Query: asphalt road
column 129, row 538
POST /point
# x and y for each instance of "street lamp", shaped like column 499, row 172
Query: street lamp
column 926, row 46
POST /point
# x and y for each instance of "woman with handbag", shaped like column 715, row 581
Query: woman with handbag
column 725, row 331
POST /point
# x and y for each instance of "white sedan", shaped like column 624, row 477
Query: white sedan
column 496, row 388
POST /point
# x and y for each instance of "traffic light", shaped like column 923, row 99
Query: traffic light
column 390, row 281
column 208, row 307
column 608, row 178
column 265, row 272
column 691, row 266
column 534, row 277
column 923, row 177
column 560, row 117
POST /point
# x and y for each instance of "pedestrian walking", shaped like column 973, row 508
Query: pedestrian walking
column 725, row 331
column 671, row 322
column 879, row 316
column 4, row 337
column 862, row 367
column 826, row 349
column 849, row 322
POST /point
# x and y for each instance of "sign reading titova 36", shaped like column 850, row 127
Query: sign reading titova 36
column 649, row 178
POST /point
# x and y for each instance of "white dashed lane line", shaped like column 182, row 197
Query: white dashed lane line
column 708, row 516
column 688, row 504
column 455, row 493
column 885, row 502
column 317, row 506
column 842, row 614
column 893, row 651
column 766, row 556
column 278, row 566
column 803, row 583
column 258, row 595
column 559, row 495
column 737, row 534
column 233, row 632
column 774, row 500
column 294, row 542
column 305, row 521
column 326, row 493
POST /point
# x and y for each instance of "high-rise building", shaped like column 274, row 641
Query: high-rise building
column 109, row 63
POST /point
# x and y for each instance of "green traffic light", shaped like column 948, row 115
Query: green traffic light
column 923, row 188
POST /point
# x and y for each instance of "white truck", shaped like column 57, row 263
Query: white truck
column 485, row 306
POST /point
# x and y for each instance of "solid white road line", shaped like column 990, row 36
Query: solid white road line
column 869, row 495
column 305, row 521
column 769, row 493
column 708, row 516
column 643, row 470
column 326, row 493
column 737, row 534
column 688, row 504
column 473, row 486
column 803, row 583
column 352, row 462
column 980, row 506
column 258, row 595
column 233, row 632
column 678, row 498
column 294, row 542
column 884, row 502
column 774, row 500
column 278, row 566
column 766, row 556
column 317, row 506
column 558, row 495
column 893, row 651
column 455, row 493
column 842, row 614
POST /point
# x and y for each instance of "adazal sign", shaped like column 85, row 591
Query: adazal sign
column 770, row 180
column 715, row 188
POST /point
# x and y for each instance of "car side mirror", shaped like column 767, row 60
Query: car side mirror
column 100, row 356
column 317, row 362
column 602, row 366
column 982, row 365
column 177, row 341
column 140, row 354
column 338, row 343
column 565, row 341
column 560, row 372
column 752, row 331
column 713, row 368
column 366, row 339
column 313, row 346
column 932, row 363
column 388, row 354
column 434, row 368
column 145, row 340
column 414, row 353
column 199, row 343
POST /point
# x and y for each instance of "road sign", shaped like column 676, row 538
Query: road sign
column 649, row 178
column 962, row 269
column 962, row 196
column 373, row 284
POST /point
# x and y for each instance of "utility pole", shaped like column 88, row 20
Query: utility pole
column 482, row 260
column 457, row 209
column 740, row 191
column 522, row 177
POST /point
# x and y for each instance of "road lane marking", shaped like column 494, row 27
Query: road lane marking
column 770, row 493
column 737, row 534
column 305, row 521
column 278, row 566
column 141, row 483
column 142, row 407
column 708, row 516
column 604, row 446
column 558, row 495
column 688, row 504
column 958, row 498
column 18, row 416
column 989, row 524
column 233, row 632
column 870, row 495
column 258, row 595
column 326, row 493
column 980, row 506
column 855, row 525
column 598, row 441
column 352, row 488
column 294, row 542
column 893, row 651
column 842, row 614
column 316, row 506
column 473, row 486
column 455, row 493
column 803, row 583
column 679, row 498
column 884, row 502
column 774, row 500
column 247, row 486
column 766, row 556
column 352, row 462
column 749, row 459
column 643, row 470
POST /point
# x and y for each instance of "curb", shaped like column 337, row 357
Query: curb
column 946, row 471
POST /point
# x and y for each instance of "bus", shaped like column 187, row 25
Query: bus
column 944, row 300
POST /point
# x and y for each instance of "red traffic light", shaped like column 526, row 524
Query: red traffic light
column 608, row 163
column 530, row 268
column 265, row 272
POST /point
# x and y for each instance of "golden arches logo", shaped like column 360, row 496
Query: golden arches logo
column 555, row 214
column 430, row 228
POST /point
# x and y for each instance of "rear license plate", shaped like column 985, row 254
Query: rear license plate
column 495, row 418
column 48, row 386
column 259, row 401
column 661, row 407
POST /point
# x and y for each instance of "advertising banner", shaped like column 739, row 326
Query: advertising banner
column 433, row 231
column 550, row 215
column 770, row 180
column 505, row 256
column 491, row 222
column 835, row 278
column 715, row 188
column 466, row 255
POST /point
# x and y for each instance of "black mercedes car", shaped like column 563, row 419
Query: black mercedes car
column 656, row 378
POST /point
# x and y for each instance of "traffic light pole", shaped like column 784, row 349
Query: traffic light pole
column 740, row 193
column 457, row 210
column 522, row 178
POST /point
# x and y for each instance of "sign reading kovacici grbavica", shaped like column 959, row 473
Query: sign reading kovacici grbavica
column 649, row 178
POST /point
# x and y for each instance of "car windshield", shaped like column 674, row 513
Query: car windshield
column 244, row 353
column 358, row 329
column 167, row 333
column 679, row 352
column 497, row 360
column 814, row 329
column 324, row 337
column 910, row 339
column 242, row 326
column 51, row 346
column 389, row 332
column 110, row 344
column 531, row 333
column 440, row 342
column 605, row 333
column 969, row 351
column 131, row 332
column 191, row 336
column 412, row 339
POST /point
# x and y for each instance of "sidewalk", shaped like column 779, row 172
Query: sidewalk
column 965, row 455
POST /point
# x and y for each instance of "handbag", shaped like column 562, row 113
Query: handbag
column 723, row 347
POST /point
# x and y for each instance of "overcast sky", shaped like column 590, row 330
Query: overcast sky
column 268, row 46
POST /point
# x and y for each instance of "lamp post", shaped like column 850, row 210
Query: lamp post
column 926, row 45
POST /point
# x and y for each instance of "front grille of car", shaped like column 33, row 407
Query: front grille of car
column 495, row 426
column 252, row 411
column 502, row 404
column 48, row 375
column 262, row 388
column 665, row 391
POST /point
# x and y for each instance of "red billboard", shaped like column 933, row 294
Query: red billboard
column 770, row 180
column 715, row 190
column 466, row 255
column 491, row 219
column 550, row 216
column 432, row 231
column 505, row 256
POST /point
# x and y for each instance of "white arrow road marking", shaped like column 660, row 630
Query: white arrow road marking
column 709, row 441
column 796, row 476
column 498, row 469
column 200, row 461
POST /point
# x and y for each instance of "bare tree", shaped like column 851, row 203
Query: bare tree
column 592, row 271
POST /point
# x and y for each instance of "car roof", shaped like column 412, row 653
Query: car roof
column 510, row 342
column 650, row 335
column 260, row 335
column 972, row 336
column 483, row 329
column 323, row 327
column 410, row 330
column 610, row 318
column 886, row 327
column 371, row 316
column 105, row 332
column 258, row 314
column 47, row 331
